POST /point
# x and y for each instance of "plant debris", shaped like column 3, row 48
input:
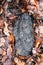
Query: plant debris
column 10, row 10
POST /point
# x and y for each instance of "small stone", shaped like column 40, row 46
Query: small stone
column 23, row 35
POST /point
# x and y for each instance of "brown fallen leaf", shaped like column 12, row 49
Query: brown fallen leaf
column 19, row 62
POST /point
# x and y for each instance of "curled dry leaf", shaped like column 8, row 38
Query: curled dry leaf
column 18, row 61
column 36, row 6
